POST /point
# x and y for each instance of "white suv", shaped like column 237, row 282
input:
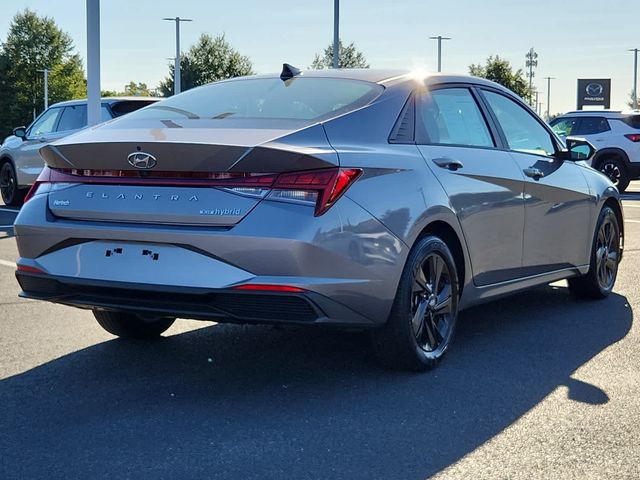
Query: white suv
column 616, row 136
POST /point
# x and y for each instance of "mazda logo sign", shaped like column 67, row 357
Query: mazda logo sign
column 594, row 89
column 142, row 160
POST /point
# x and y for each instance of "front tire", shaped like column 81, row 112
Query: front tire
column 424, row 313
column 129, row 325
column 605, row 257
column 12, row 195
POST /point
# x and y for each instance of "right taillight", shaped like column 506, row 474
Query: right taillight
column 634, row 137
column 321, row 188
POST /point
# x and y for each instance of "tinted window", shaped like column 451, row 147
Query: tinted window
column 632, row 120
column 73, row 118
column 591, row 125
column 451, row 116
column 128, row 106
column 523, row 132
column 564, row 126
column 46, row 123
column 298, row 99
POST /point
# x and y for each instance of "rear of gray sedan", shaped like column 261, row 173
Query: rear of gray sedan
column 225, row 203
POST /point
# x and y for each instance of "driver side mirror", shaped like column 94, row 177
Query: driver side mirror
column 20, row 132
column 578, row 149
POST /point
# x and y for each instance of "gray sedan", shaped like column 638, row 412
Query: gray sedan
column 20, row 163
column 372, row 199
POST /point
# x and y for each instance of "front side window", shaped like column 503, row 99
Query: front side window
column 565, row 126
column 451, row 116
column 522, row 131
column 300, row 98
column 46, row 123
column 592, row 125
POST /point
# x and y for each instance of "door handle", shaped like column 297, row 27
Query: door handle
column 448, row 163
column 534, row 173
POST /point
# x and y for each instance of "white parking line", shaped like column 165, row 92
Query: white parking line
column 4, row 263
column 6, row 226
column 12, row 210
column 632, row 221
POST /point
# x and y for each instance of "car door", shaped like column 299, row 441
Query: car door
column 558, row 204
column 484, row 184
column 41, row 132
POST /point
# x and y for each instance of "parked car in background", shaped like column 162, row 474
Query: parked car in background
column 20, row 163
column 354, row 198
column 616, row 136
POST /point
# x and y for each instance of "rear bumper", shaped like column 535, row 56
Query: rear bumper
column 220, row 305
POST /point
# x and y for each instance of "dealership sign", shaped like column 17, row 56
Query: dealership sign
column 594, row 91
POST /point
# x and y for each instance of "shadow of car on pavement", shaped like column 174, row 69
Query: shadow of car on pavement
column 255, row 402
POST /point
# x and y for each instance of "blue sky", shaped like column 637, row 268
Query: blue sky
column 574, row 39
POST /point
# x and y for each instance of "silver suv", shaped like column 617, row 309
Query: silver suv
column 20, row 163
column 615, row 134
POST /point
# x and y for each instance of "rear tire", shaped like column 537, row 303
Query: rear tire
column 605, row 257
column 129, row 325
column 616, row 170
column 12, row 195
column 424, row 313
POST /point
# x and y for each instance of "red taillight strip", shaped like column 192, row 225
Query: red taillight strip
column 28, row 269
column 262, row 287
column 634, row 137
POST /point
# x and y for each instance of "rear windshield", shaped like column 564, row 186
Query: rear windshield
column 128, row 106
column 308, row 99
column 632, row 120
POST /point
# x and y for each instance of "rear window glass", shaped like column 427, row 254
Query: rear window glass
column 632, row 120
column 592, row 125
column 128, row 106
column 300, row 98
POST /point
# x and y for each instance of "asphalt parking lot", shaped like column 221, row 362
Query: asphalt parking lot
column 537, row 385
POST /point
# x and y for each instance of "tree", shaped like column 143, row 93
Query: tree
column 350, row 57
column 500, row 71
column 34, row 43
column 211, row 59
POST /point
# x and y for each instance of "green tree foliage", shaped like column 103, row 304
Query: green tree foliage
column 211, row 59
column 350, row 57
column 500, row 71
column 34, row 43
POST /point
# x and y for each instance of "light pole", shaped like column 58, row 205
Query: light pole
column 634, row 100
column 548, row 79
column 176, row 70
column 439, row 38
column 46, row 87
column 93, row 62
column 336, row 33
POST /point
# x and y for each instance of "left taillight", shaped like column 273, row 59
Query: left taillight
column 43, row 178
column 321, row 188
column 634, row 137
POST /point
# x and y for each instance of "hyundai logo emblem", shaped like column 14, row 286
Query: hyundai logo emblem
column 142, row 160
column 594, row 89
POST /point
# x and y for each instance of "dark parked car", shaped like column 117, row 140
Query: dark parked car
column 20, row 163
column 354, row 198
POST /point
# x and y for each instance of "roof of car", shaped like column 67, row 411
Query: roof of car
column 109, row 100
column 601, row 113
column 386, row 77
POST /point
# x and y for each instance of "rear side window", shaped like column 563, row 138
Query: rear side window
column 564, row 126
column 299, row 98
column 128, row 106
column 592, row 125
column 632, row 120
column 451, row 116
column 73, row 117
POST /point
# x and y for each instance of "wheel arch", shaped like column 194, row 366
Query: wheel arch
column 448, row 234
column 606, row 153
